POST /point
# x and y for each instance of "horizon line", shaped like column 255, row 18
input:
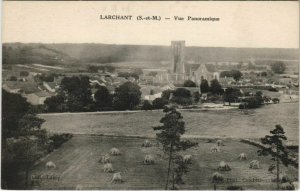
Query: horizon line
column 147, row 45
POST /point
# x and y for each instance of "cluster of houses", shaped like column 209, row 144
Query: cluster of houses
column 154, row 81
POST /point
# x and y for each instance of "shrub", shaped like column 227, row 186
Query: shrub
column 146, row 105
column 159, row 103
column 56, row 140
column 24, row 73
column 273, row 90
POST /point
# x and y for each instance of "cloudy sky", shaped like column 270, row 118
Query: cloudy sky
column 242, row 24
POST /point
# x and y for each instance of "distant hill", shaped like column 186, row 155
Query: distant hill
column 107, row 53
column 18, row 53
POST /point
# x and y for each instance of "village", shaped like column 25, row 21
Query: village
column 103, row 124
column 37, row 82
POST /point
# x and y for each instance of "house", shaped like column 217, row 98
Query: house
column 20, row 87
column 38, row 98
column 11, row 87
column 50, row 86
column 197, row 72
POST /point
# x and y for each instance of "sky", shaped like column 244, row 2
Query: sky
column 242, row 23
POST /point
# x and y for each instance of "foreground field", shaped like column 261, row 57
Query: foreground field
column 226, row 124
column 77, row 164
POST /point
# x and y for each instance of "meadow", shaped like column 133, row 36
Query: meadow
column 199, row 124
column 77, row 164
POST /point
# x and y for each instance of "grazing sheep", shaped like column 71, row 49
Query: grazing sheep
column 217, row 178
column 105, row 159
column 79, row 187
column 108, row 167
column 148, row 160
column 187, row 159
column 114, row 151
column 284, row 178
column 117, row 177
column 224, row 166
column 146, row 144
column 287, row 186
column 215, row 149
column 243, row 156
column 220, row 143
column 254, row 164
column 50, row 165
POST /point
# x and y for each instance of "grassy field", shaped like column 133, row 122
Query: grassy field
column 77, row 164
column 224, row 124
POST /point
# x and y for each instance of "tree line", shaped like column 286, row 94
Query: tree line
column 23, row 141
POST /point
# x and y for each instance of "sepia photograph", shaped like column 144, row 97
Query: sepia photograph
column 172, row 95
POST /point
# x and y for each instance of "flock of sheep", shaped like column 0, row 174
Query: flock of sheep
column 223, row 166
column 254, row 164
column 149, row 160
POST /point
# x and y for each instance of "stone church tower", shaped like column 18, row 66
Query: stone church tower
column 178, row 57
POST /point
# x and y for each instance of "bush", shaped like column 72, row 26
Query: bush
column 146, row 105
column 58, row 139
column 189, row 83
column 159, row 103
column 24, row 73
column 13, row 78
column 182, row 100
column 273, row 90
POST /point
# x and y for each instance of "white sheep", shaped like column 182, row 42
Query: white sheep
column 187, row 159
column 115, row 151
column 215, row 149
column 108, row 167
column 224, row 166
column 50, row 165
column 146, row 144
column 243, row 156
column 117, row 177
column 148, row 160
column 287, row 186
column 105, row 159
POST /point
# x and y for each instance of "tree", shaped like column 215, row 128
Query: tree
column 159, row 103
column 215, row 87
column 166, row 94
column 146, row 105
column 189, row 83
column 102, row 97
column 152, row 73
column 231, row 95
column 169, row 135
column 275, row 148
column 14, row 107
column 54, row 104
column 278, row 67
column 76, row 92
column 236, row 74
column 23, row 140
column 127, row 96
column 204, row 88
column 182, row 96
column 196, row 97
column 24, row 73
column 13, row 78
column 138, row 71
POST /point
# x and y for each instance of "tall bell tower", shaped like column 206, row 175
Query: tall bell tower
column 178, row 57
